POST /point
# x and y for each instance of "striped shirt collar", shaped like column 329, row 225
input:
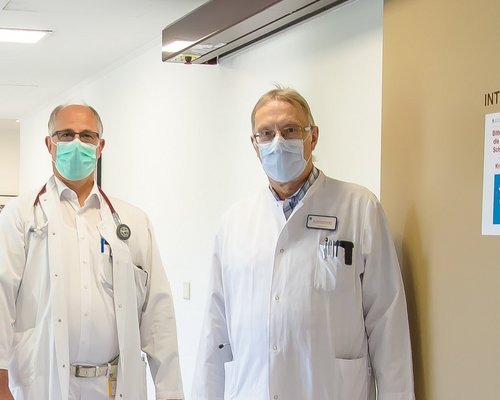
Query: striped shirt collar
column 290, row 203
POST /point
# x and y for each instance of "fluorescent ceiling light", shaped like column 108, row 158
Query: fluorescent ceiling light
column 176, row 45
column 13, row 35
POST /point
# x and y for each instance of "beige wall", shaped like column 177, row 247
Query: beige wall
column 440, row 58
column 9, row 158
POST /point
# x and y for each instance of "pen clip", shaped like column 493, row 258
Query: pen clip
column 325, row 249
column 105, row 243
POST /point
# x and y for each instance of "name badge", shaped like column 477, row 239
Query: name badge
column 321, row 222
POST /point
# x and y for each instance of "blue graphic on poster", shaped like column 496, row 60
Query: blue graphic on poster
column 496, row 200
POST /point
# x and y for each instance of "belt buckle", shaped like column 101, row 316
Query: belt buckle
column 84, row 371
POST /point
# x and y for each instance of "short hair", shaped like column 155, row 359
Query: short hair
column 283, row 94
column 53, row 116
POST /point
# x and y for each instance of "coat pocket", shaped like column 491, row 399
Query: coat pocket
column 135, row 387
column 141, row 278
column 351, row 379
column 22, row 369
column 230, row 379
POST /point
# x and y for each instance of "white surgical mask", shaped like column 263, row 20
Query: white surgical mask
column 282, row 160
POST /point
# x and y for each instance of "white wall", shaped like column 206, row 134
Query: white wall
column 178, row 135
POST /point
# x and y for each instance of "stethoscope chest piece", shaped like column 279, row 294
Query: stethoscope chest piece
column 123, row 232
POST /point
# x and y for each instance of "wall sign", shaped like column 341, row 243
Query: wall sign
column 491, row 175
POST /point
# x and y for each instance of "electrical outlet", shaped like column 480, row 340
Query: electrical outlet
column 186, row 290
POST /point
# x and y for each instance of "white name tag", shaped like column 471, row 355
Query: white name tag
column 321, row 222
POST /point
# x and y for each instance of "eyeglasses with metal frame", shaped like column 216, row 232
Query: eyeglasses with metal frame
column 68, row 135
column 287, row 132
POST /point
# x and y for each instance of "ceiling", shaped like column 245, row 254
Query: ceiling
column 87, row 36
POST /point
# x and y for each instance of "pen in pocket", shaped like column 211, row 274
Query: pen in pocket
column 104, row 243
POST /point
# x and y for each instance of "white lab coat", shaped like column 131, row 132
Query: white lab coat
column 296, row 326
column 33, row 313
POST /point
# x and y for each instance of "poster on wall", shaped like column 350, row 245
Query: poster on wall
column 491, row 175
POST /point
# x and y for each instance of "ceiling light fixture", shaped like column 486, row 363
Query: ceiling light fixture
column 220, row 27
column 176, row 45
column 15, row 35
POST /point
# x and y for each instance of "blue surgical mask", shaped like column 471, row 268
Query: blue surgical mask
column 282, row 160
column 75, row 160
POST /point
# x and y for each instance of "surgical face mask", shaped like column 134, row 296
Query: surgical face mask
column 75, row 160
column 282, row 160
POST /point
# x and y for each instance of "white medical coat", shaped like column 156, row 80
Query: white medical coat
column 297, row 326
column 33, row 314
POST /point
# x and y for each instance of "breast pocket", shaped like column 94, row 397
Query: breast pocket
column 106, row 270
column 332, row 272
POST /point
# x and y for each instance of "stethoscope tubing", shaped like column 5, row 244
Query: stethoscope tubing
column 122, row 230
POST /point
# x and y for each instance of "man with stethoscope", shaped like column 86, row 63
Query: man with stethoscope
column 83, row 293
column 306, row 300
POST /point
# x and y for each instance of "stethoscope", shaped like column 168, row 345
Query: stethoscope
column 122, row 230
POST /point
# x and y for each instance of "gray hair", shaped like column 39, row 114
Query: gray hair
column 283, row 94
column 53, row 116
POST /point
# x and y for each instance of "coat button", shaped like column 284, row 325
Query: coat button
column 282, row 251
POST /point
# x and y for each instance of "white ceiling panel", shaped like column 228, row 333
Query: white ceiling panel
column 87, row 36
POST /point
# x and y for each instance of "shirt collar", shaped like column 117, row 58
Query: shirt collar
column 65, row 193
column 299, row 194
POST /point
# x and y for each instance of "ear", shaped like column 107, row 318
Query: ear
column 314, row 137
column 101, row 145
column 255, row 145
column 48, row 143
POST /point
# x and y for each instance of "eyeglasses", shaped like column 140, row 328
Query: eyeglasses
column 68, row 135
column 287, row 132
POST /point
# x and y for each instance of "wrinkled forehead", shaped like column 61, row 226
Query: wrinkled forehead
column 76, row 117
column 64, row 115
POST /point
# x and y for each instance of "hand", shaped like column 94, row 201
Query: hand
column 5, row 393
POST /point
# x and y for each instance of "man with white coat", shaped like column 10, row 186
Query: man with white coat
column 306, row 300
column 83, row 293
